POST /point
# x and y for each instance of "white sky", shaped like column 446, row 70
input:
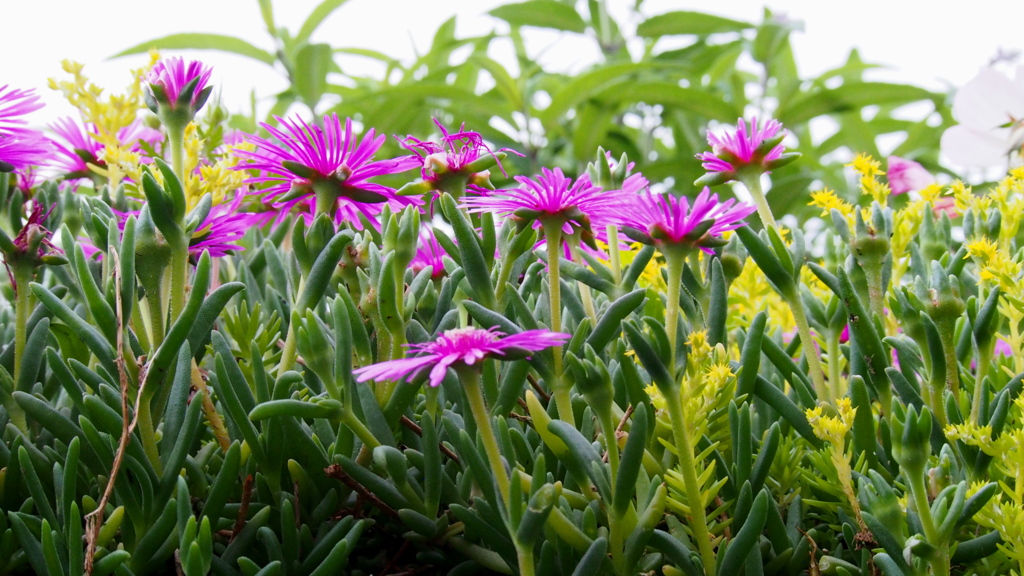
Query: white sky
column 935, row 44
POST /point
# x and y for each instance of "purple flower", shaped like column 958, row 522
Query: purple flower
column 173, row 82
column 666, row 219
column 462, row 346
column 32, row 246
column 907, row 175
column 224, row 226
column 757, row 147
column 553, row 197
column 428, row 253
column 458, row 152
column 20, row 146
column 327, row 169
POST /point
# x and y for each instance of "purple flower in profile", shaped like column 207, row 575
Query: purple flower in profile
column 756, row 148
column 553, row 197
column 177, row 84
column 461, row 152
column 20, row 146
column 327, row 169
column 907, row 175
column 664, row 219
column 428, row 253
column 460, row 347
column 32, row 246
column 224, row 226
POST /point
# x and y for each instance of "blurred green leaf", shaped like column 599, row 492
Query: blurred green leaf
column 199, row 41
column 687, row 22
column 542, row 14
column 849, row 97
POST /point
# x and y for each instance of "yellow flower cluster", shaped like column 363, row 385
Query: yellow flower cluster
column 707, row 382
column 1005, row 512
column 120, row 161
column 995, row 265
column 869, row 170
column 833, row 429
column 108, row 115
column 750, row 293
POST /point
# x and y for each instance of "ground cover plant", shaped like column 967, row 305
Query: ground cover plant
column 442, row 327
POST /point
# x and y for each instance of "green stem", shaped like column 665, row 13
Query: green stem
column 753, row 184
column 674, row 260
column 807, row 343
column 613, row 254
column 179, row 278
column 553, row 239
column 470, row 378
column 688, row 469
column 946, row 330
column 176, row 142
column 876, row 292
column 349, row 418
column 22, row 278
column 940, row 563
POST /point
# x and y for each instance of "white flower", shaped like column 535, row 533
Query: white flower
column 990, row 109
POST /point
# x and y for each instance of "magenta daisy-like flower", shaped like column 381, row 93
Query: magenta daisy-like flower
column 327, row 168
column 664, row 219
column 462, row 346
column 578, row 205
column 756, row 148
column 459, row 152
column 177, row 83
column 20, row 146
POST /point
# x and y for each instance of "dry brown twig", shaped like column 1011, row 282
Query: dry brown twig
column 94, row 519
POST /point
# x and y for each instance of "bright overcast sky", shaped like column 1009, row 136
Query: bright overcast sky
column 934, row 44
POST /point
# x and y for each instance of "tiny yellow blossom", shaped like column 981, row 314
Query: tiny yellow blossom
column 827, row 200
column 866, row 165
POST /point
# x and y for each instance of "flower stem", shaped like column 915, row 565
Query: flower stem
column 470, row 378
column 807, row 343
column 613, row 254
column 179, row 278
column 22, row 277
column 688, row 469
column 940, row 562
column 674, row 261
column 946, row 330
column 553, row 239
column 753, row 184
column 176, row 142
